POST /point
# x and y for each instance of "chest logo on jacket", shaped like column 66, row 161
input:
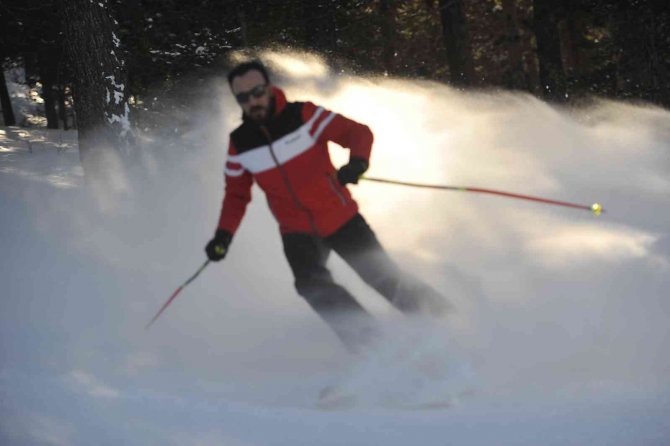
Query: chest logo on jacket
column 259, row 159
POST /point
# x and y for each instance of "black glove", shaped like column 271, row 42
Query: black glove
column 217, row 248
column 350, row 173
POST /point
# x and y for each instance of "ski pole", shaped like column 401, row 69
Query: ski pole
column 596, row 208
column 177, row 291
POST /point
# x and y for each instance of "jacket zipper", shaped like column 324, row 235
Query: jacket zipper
column 287, row 183
column 333, row 186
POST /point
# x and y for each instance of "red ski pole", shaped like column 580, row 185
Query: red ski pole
column 176, row 293
column 596, row 208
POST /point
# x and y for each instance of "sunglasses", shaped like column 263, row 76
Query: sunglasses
column 257, row 92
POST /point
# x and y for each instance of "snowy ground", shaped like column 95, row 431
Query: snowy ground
column 562, row 330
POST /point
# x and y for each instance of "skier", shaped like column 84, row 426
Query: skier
column 283, row 147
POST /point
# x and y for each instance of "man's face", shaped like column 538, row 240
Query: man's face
column 253, row 94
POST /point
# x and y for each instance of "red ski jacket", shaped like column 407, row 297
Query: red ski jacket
column 288, row 158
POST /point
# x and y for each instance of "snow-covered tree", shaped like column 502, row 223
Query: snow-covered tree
column 98, row 76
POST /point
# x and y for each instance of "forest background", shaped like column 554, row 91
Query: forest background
column 564, row 51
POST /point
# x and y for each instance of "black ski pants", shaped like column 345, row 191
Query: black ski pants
column 357, row 244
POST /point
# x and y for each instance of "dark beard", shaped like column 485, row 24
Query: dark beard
column 252, row 113
column 269, row 113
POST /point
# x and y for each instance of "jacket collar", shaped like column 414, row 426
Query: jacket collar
column 280, row 99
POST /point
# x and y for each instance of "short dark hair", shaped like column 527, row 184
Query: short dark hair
column 245, row 67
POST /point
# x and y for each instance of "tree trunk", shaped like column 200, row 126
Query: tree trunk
column 48, row 68
column 569, row 36
column 99, row 89
column 62, row 112
column 457, row 42
column 5, row 100
column 320, row 25
column 387, row 13
column 50, row 101
column 546, row 16
column 514, row 75
column 242, row 21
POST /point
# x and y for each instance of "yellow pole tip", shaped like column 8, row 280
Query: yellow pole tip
column 597, row 208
